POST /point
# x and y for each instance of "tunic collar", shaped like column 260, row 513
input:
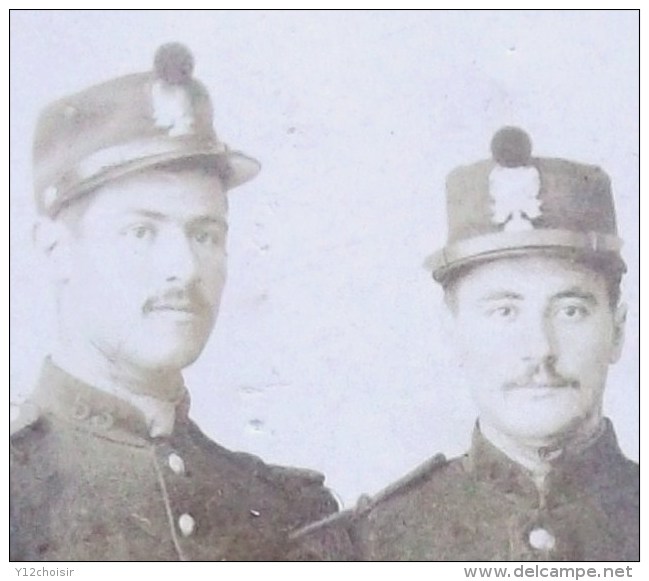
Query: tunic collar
column 92, row 409
column 572, row 472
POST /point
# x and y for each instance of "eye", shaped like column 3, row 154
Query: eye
column 201, row 237
column 208, row 236
column 503, row 312
column 572, row 312
column 140, row 231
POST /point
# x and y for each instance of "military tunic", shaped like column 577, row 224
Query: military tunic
column 89, row 483
column 484, row 506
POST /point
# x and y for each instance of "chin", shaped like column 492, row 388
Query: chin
column 175, row 358
column 173, row 347
column 541, row 433
column 539, row 426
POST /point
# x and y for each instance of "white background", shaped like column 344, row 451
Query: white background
column 329, row 351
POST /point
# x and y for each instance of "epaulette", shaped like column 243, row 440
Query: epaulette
column 29, row 413
column 284, row 474
column 249, row 459
column 330, row 539
column 333, row 519
column 366, row 502
column 303, row 475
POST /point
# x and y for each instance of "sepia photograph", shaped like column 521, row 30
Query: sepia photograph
column 324, row 285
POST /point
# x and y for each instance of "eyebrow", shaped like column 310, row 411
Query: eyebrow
column 209, row 220
column 576, row 293
column 148, row 214
column 572, row 293
column 501, row 295
column 198, row 220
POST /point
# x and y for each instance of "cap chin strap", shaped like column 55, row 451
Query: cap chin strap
column 519, row 242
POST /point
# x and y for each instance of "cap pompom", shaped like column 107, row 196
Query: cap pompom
column 174, row 63
column 511, row 147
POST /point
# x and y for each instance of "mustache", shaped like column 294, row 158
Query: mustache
column 541, row 376
column 187, row 299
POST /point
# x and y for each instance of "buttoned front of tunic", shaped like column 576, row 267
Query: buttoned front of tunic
column 486, row 507
column 89, row 483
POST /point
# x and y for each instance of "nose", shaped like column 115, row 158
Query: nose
column 539, row 342
column 177, row 261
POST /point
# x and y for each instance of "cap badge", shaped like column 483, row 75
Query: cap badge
column 172, row 108
column 515, row 195
column 514, row 183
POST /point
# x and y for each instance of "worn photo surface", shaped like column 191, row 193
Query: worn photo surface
column 380, row 217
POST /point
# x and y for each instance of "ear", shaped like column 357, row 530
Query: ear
column 619, row 323
column 52, row 240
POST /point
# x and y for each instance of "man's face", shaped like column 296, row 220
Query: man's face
column 537, row 335
column 146, row 267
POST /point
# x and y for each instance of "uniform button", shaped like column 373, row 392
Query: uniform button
column 176, row 463
column 542, row 540
column 186, row 524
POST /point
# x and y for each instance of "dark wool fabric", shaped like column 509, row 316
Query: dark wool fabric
column 485, row 507
column 88, row 483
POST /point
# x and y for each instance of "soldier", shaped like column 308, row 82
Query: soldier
column 130, row 184
column 531, row 275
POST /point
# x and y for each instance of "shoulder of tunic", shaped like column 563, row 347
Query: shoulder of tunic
column 29, row 415
column 405, row 484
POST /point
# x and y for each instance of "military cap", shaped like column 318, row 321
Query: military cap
column 515, row 203
column 129, row 124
